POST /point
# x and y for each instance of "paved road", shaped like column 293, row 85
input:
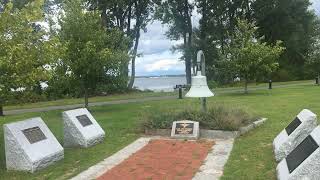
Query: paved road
column 73, row 106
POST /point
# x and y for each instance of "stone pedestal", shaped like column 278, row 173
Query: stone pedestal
column 294, row 133
column 30, row 145
column 81, row 129
column 185, row 129
column 304, row 161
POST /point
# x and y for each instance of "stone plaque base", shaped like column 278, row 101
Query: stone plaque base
column 81, row 129
column 30, row 145
column 185, row 129
column 304, row 161
column 285, row 142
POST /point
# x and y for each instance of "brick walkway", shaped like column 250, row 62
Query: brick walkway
column 161, row 160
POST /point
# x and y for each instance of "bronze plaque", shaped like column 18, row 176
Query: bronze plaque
column 293, row 125
column 301, row 152
column 184, row 128
column 34, row 134
column 84, row 120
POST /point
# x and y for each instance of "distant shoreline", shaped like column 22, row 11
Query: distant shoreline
column 180, row 75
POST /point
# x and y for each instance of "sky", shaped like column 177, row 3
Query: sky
column 157, row 57
column 155, row 49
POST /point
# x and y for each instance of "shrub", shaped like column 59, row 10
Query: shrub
column 212, row 84
column 25, row 97
column 217, row 117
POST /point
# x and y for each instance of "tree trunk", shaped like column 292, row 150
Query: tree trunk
column 188, row 69
column 189, row 42
column 86, row 97
column 135, row 48
column 104, row 17
column 133, row 61
column 1, row 110
column 188, row 60
column 246, row 86
column 129, row 20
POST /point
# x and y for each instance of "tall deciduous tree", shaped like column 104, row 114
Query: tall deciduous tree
column 291, row 22
column 177, row 15
column 130, row 17
column 313, row 62
column 218, row 22
column 24, row 52
column 251, row 58
column 142, row 11
column 92, row 53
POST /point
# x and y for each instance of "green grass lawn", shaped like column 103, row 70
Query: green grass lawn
column 251, row 157
column 136, row 95
column 60, row 102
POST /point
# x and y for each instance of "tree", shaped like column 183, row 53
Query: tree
column 313, row 61
column 92, row 53
column 143, row 9
column 121, row 14
column 177, row 15
column 24, row 52
column 250, row 57
column 216, row 26
column 19, row 4
column 292, row 22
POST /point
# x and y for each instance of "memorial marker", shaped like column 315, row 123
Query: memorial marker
column 30, row 145
column 304, row 161
column 294, row 134
column 84, row 120
column 34, row 134
column 81, row 129
column 185, row 129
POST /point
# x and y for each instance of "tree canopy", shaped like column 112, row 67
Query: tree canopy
column 92, row 53
column 249, row 57
column 24, row 49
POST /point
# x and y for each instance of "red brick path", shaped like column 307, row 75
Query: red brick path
column 162, row 160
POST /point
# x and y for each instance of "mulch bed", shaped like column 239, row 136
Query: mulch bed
column 162, row 160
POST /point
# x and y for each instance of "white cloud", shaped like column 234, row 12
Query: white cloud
column 154, row 40
column 162, row 65
column 316, row 6
column 157, row 58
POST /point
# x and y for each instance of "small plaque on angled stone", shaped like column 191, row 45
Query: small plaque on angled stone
column 81, row 129
column 185, row 129
column 294, row 133
column 30, row 145
column 303, row 161
column 84, row 120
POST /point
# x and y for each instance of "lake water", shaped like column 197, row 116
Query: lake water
column 159, row 83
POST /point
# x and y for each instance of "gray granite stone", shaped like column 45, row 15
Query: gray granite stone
column 213, row 166
column 25, row 155
column 259, row 122
column 245, row 129
column 218, row 134
column 212, row 134
column 309, row 169
column 78, row 135
column 283, row 144
column 193, row 135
